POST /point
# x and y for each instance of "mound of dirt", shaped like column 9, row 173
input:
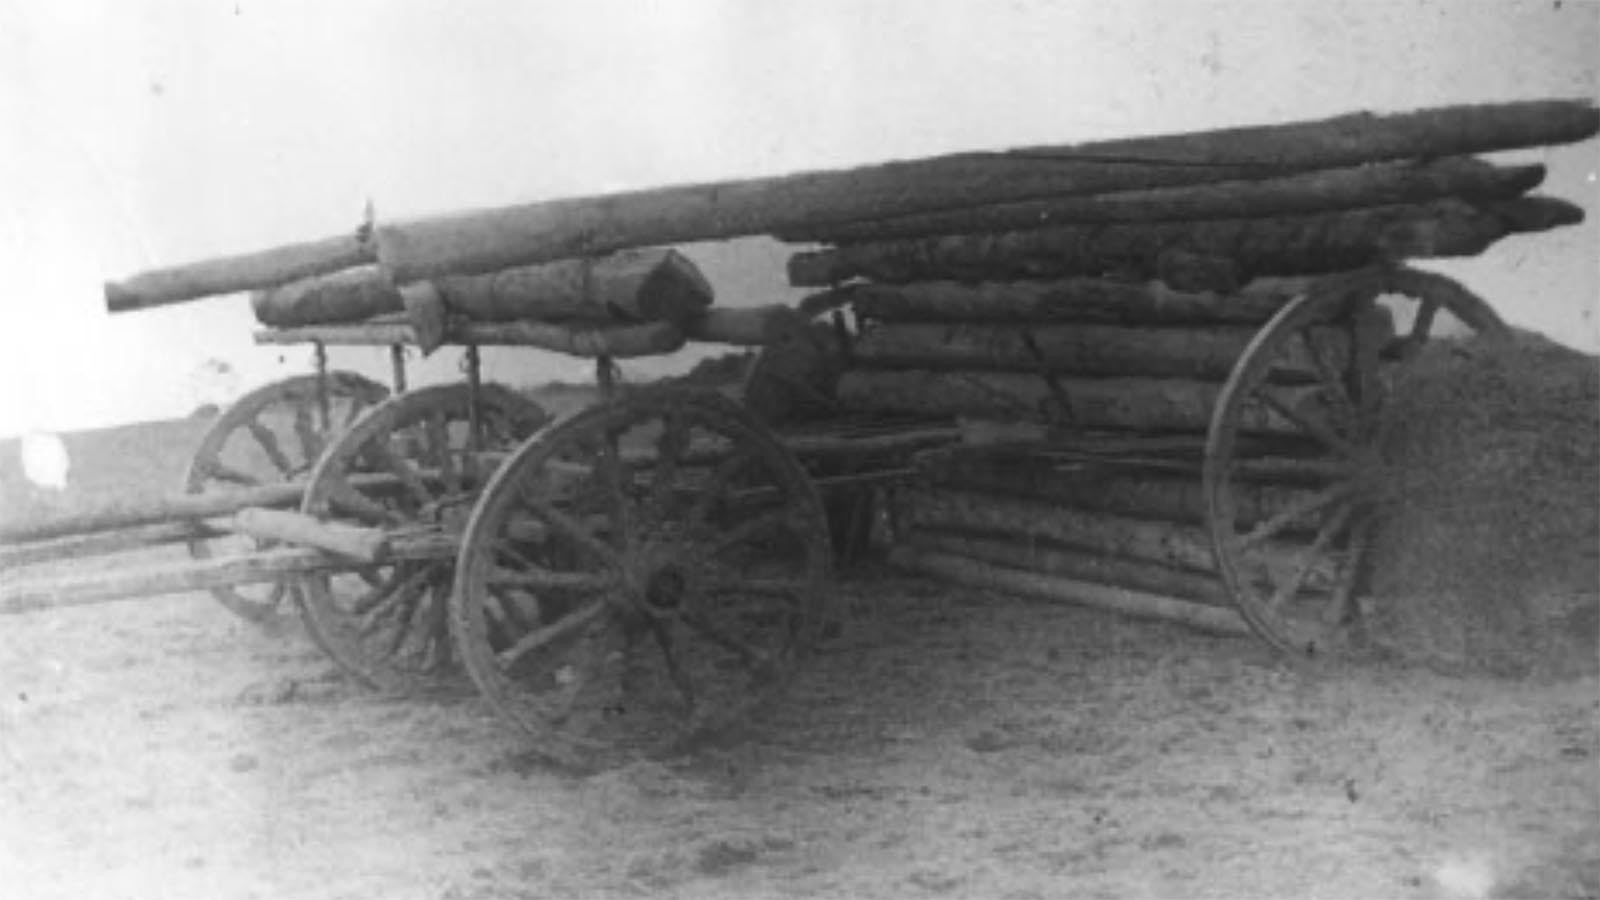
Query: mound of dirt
column 1489, row 560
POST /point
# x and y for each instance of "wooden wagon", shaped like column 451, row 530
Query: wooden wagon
column 1188, row 343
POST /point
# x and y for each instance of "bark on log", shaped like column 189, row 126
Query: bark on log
column 487, row 240
column 1207, row 353
column 1363, row 186
column 1140, row 604
column 1281, row 245
column 232, row 274
column 633, row 286
column 589, row 341
column 1108, row 487
column 1144, row 404
column 1092, row 567
column 1172, row 544
column 1068, row 300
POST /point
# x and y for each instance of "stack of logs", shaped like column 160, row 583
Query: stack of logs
column 1104, row 325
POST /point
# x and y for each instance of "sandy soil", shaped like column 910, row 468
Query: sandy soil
column 949, row 744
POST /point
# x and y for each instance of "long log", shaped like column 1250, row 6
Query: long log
column 245, row 272
column 1281, row 245
column 1172, row 544
column 1353, row 188
column 632, row 286
column 82, row 546
column 1109, row 487
column 487, row 240
column 1093, row 567
column 1140, row 604
column 368, row 545
column 576, row 339
column 1065, row 300
column 1127, row 402
column 1203, row 352
column 153, row 579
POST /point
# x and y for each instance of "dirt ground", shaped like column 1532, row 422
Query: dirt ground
column 949, row 744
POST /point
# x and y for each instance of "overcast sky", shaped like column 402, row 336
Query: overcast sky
column 140, row 134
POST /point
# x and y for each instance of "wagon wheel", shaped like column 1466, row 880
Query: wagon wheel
column 272, row 435
column 387, row 624
column 1294, row 469
column 640, row 574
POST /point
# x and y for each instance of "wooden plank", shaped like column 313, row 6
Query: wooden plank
column 584, row 340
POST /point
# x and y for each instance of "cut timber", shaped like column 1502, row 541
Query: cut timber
column 1170, row 496
column 232, row 274
column 197, row 575
column 633, row 286
column 1280, row 245
column 368, row 545
column 1208, row 352
column 648, row 285
column 348, row 296
column 487, row 240
column 1066, row 300
column 1077, row 565
column 577, row 339
column 1140, row 604
column 1145, row 404
column 1170, row 544
column 1376, row 185
column 106, row 543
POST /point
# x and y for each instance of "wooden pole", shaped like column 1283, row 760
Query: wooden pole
column 369, row 545
column 1353, row 188
column 1171, row 544
column 587, row 340
column 518, row 235
column 1098, row 568
column 1066, row 300
column 1280, row 245
column 1119, row 402
column 1203, row 352
column 193, row 575
column 487, row 240
column 1139, row 604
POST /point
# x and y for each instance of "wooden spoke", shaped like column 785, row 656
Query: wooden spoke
column 719, row 486
column 268, row 442
column 405, row 471
column 307, row 435
column 536, row 578
column 1313, row 427
column 765, row 524
column 1308, row 558
column 439, row 441
column 400, row 595
column 573, row 530
column 675, row 674
column 612, row 473
column 221, row 471
column 670, row 447
column 792, row 590
column 343, row 497
column 1272, row 526
column 563, row 627
column 1337, row 611
column 384, row 588
column 1332, row 382
column 754, row 659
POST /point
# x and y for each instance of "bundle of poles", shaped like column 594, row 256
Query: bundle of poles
column 1109, row 286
